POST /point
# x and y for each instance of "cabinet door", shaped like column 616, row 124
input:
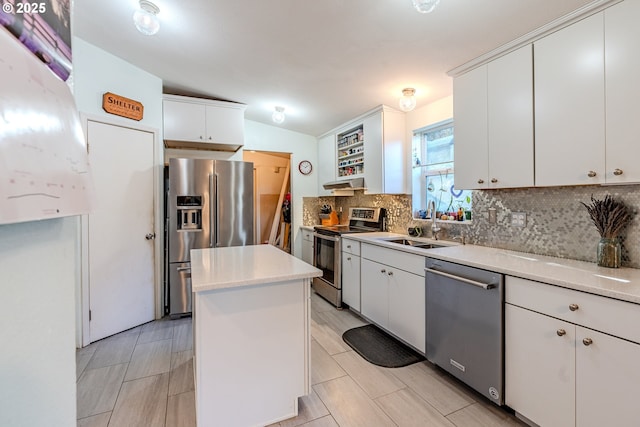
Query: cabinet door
column 510, row 120
column 540, row 367
column 307, row 246
column 372, row 128
column 569, row 105
column 407, row 307
column 470, row 121
column 326, row 162
column 622, row 64
column 183, row 121
column 374, row 294
column 225, row 125
column 607, row 380
column 351, row 280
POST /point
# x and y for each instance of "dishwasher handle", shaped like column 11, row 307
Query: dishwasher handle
column 461, row 279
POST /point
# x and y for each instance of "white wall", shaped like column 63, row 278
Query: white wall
column 261, row 137
column 37, row 361
column 96, row 71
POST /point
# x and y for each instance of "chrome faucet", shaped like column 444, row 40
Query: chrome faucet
column 434, row 227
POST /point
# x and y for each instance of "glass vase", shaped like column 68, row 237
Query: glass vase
column 609, row 252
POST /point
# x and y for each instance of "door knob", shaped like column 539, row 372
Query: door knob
column 383, row 271
column 494, row 180
column 587, row 341
column 561, row 332
column 617, row 172
column 573, row 307
column 481, row 181
column 150, row 236
column 390, row 273
column 591, row 174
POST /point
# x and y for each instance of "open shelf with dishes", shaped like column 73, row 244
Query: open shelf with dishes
column 350, row 152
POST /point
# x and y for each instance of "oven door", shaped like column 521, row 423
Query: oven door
column 326, row 257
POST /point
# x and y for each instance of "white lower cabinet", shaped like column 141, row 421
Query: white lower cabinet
column 559, row 371
column 351, row 273
column 392, row 294
column 307, row 245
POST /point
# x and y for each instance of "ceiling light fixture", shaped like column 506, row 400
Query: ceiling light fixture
column 425, row 6
column 408, row 99
column 278, row 115
column 146, row 18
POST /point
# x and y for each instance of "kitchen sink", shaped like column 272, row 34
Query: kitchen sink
column 414, row 243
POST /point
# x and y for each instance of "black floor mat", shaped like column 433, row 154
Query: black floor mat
column 379, row 348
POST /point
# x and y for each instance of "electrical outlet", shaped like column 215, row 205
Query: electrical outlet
column 492, row 216
column 518, row 219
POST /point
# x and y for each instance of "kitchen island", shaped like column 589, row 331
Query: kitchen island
column 251, row 318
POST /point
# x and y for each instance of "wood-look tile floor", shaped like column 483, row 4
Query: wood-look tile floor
column 143, row 377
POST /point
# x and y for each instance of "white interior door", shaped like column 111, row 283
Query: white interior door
column 120, row 247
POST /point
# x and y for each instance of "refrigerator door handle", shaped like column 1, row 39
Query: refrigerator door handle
column 211, row 193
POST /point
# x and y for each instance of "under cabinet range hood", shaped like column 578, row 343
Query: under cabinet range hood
column 345, row 187
column 347, row 184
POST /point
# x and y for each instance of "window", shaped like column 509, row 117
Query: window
column 433, row 172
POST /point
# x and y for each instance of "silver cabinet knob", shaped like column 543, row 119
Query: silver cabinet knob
column 201, row 137
column 210, row 138
column 390, row 273
column 617, row 172
column 587, row 341
column 494, row 180
column 561, row 332
column 383, row 271
column 150, row 236
column 348, row 258
column 348, row 246
column 591, row 174
column 573, row 307
column 481, row 181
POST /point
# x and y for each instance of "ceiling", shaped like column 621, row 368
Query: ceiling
column 325, row 61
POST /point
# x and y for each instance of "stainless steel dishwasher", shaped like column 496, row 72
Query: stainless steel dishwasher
column 464, row 324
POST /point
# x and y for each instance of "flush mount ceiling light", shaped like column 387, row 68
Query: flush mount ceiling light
column 146, row 18
column 408, row 99
column 425, row 6
column 278, row 115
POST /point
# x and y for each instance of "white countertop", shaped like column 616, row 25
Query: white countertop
column 222, row 268
column 618, row 283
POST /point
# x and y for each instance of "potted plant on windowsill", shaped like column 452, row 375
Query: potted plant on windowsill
column 610, row 218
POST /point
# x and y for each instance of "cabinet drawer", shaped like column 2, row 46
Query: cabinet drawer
column 350, row 246
column 307, row 235
column 394, row 258
column 615, row 317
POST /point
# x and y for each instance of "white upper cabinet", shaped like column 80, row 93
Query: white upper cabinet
column 570, row 105
column 510, row 106
column 493, row 119
column 372, row 146
column 326, row 162
column 622, row 68
column 471, row 154
column 385, row 152
column 199, row 123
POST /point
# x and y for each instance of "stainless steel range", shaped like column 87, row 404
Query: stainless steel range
column 327, row 251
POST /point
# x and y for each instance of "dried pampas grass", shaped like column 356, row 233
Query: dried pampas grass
column 608, row 215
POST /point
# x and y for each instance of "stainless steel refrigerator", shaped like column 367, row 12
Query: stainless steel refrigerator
column 210, row 204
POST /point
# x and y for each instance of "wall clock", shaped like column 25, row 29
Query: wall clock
column 305, row 167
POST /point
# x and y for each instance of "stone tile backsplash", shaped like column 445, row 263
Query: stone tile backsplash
column 556, row 224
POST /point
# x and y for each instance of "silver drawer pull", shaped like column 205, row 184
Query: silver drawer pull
column 573, row 307
column 587, row 341
column 461, row 279
column 183, row 269
column 561, row 332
